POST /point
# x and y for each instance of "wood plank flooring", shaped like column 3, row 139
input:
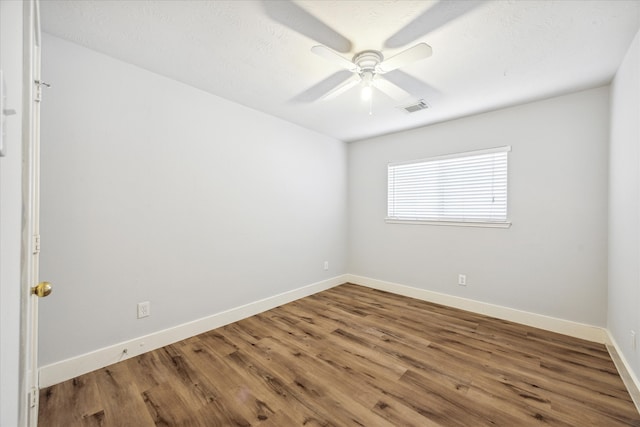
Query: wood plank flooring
column 353, row 356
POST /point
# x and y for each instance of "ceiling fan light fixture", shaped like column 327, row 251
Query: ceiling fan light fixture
column 366, row 93
column 370, row 65
column 367, row 88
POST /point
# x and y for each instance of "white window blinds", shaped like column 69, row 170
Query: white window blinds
column 465, row 187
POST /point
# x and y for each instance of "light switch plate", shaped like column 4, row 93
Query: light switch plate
column 4, row 112
column 2, row 104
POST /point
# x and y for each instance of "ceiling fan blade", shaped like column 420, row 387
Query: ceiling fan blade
column 433, row 18
column 334, row 57
column 321, row 89
column 391, row 90
column 415, row 53
column 293, row 16
column 416, row 87
column 342, row 88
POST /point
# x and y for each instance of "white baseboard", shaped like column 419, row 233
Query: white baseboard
column 71, row 368
column 626, row 373
column 566, row 327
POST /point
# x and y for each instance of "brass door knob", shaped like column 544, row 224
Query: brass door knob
column 42, row 290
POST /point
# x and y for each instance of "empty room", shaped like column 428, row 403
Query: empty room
column 320, row 213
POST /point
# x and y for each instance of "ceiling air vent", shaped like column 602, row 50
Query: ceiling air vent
column 412, row 108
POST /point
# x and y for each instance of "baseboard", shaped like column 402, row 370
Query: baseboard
column 626, row 373
column 566, row 327
column 70, row 368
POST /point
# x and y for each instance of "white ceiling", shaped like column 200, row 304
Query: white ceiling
column 486, row 54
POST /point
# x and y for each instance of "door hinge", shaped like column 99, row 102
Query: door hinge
column 38, row 94
column 33, row 397
column 36, row 244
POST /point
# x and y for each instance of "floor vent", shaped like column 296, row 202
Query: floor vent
column 420, row 105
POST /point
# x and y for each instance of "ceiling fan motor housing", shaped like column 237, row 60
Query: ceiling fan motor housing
column 367, row 60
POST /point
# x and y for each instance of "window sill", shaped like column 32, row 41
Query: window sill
column 505, row 224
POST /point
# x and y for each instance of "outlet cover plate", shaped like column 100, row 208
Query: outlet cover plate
column 144, row 309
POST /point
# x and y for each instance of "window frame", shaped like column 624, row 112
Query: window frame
column 506, row 223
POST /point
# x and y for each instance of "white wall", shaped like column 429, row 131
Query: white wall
column 624, row 210
column 552, row 261
column 10, row 213
column 153, row 190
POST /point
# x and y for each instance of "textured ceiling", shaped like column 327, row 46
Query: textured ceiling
column 486, row 54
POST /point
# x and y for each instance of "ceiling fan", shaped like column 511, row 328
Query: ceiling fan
column 368, row 67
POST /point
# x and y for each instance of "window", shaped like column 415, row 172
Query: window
column 458, row 189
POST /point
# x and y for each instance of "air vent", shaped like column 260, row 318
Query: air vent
column 420, row 105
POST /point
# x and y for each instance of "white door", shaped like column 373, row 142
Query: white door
column 31, row 194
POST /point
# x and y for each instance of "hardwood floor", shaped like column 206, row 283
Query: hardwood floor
column 354, row 356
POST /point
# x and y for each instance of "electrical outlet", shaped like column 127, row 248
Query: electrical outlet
column 326, row 265
column 462, row 279
column 144, row 309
